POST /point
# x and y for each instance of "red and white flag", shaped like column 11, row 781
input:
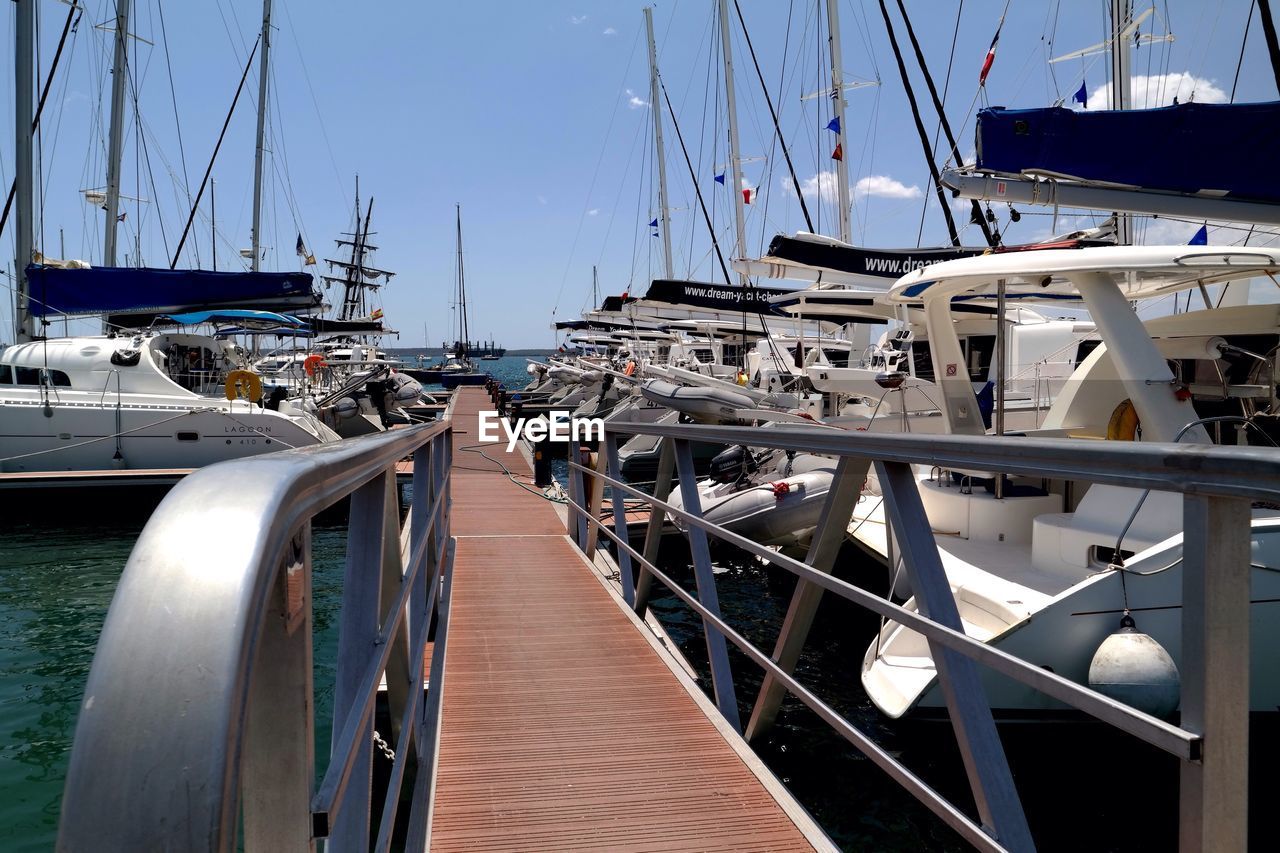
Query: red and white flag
column 991, row 56
column 748, row 195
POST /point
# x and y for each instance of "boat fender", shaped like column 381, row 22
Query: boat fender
column 1123, row 425
column 312, row 364
column 630, row 369
column 1133, row 668
column 246, row 382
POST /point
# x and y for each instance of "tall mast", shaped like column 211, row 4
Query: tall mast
column 114, row 153
column 1121, row 97
column 735, row 159
column 838, row 102
column 664, row 223
column 595, row 288
column 263, row 69
column 462, row 288
column 24, row 78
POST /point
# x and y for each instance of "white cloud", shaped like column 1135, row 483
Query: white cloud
column 822, row 185
column 593, row 211
column 575, row 19
column 610, row 31
column 634, row 101
column 1159, row 90
column 884, row 185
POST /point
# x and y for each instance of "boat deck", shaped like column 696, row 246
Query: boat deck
column 562, row 725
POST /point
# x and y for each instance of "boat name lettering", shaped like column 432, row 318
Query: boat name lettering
column 262, row 430
column 559, row 425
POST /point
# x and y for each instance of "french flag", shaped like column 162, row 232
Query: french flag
column 991, row 57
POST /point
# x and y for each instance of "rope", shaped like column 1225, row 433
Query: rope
column 475, row 448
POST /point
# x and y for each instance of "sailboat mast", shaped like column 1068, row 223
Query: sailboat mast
column 735, row 159
column 24, row 78
column 595, row 288
column 1121, row 96
column 664, row 223
column 116, row 144
column 263, row 69
column 462, row 289
column 838, row 102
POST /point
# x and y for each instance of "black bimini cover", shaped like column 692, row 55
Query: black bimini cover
column 142, row 291
column 887, row 264
column 615, row 303
column 1222, row 148
column 323, row 326
column 714, row 297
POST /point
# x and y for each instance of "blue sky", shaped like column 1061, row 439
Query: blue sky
column 534, row 117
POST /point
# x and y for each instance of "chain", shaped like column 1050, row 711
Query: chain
column 383, row 746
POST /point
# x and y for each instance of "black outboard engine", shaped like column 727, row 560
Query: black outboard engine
column 733, row 465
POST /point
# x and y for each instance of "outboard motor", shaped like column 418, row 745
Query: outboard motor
column 733, row 465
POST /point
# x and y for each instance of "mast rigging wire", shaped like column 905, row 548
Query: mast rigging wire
column 203, row 183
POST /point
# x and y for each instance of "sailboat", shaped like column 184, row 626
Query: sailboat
column 458, row 368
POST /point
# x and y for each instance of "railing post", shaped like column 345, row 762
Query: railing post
column 620, row 520
column 1215, row 672
column 399, row 673
column 980, row 747
column 828, row 536
column 577, row 495
column 717, row 648
column 657, row 518
column 357, row 635
column 594, row 505
column 278, row 762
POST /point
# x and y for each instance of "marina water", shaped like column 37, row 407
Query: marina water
column 1084, row 786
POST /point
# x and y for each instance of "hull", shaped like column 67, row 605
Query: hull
column 80, row 437
column 762, row 515
column 426, row 375
column 1064, row 633
column 703, row 403
column 454, row 380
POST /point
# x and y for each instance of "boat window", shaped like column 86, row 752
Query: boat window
column 837, row 357
column 922, row 360
column 58, row 379
column 1086, row 346
column 6, row 374
column 703, row 355
column 27, row 375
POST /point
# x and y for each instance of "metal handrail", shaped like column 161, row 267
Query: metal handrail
column 1217, row 483
column 198, row 711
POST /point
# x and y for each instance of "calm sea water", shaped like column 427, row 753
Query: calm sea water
column 1084, row 788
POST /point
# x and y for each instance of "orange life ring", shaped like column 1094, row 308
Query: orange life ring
column 312, row 363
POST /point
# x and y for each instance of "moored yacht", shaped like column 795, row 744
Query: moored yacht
column 1045, row 569
column 150, row 400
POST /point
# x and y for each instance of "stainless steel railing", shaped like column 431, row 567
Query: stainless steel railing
column 1218, row 484
column 198, row 717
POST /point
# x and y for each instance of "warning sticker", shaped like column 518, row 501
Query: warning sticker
column 951, row 370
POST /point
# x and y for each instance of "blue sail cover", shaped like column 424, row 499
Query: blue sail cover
column 1188, row 148
column 106, row 290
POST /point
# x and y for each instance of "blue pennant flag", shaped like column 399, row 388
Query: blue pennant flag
column 720, row 178
column 1082, row 96
column 834, row 125
column 653, row 224
column 1201, row 237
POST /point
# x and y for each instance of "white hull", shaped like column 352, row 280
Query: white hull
column 1063, row 632
column 79, row 434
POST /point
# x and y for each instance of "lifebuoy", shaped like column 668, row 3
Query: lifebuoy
column 630, row 369
column 313, row 363
column 246, row 382
column 1123, row 425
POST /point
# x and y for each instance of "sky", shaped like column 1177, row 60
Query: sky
column 535, row 118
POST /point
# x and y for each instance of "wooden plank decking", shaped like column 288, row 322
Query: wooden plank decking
column 562, row 728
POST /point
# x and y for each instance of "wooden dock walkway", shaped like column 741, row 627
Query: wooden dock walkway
column 562, row 726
